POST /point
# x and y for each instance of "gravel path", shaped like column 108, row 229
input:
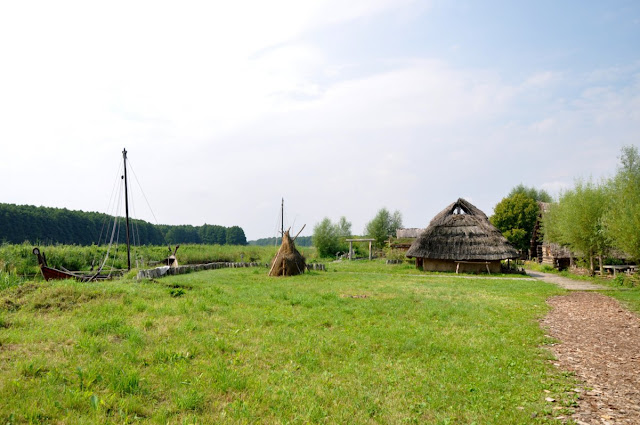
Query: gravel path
column 564, row 282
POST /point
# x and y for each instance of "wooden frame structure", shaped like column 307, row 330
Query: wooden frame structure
column 351, row 241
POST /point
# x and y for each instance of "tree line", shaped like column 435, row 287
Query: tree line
column 46, row 225
column 273, row 241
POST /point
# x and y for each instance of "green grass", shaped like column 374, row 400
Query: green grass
column 630, row 298
column 360, row 343
column 626, row 289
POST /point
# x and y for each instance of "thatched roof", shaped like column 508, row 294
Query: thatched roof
column 408, row 233
column 288, row 261
column 462, row 232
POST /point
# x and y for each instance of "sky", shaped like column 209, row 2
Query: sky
column 339, row 107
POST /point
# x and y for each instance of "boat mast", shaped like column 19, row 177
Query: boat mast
column 126, row 208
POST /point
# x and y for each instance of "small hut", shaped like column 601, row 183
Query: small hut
column 461, row 238
column 288, row 261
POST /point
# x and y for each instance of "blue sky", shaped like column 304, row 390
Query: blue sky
column 341, row 108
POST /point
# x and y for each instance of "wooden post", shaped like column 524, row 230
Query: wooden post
column 126, row 207
column 350, row 250
column 370, row 255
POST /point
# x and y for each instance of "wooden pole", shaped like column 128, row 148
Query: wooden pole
column 126, row 208
column 370, row 254
column 274, row 260
column 294, row 239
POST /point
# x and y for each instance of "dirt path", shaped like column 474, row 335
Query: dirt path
column 600, row 342
column 566, row 283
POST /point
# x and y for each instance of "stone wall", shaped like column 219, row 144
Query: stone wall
column 166, row 270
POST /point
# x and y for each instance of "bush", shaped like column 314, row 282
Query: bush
column 624, row 280
column 395, row 254
column 326, row 238
column 619, row 280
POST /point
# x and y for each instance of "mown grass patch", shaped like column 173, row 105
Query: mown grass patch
column 361, row 343
column 630, row 297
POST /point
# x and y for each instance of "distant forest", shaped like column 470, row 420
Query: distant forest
column 300, row 241
column 20, row 223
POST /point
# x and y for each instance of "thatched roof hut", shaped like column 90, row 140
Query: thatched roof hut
column 461, row 237
column 288, row 261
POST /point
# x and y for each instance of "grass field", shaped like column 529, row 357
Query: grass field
column 360, row 343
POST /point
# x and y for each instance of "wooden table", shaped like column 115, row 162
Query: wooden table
column 620, row 268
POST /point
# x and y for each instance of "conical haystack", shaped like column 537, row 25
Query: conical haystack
column 288, row 260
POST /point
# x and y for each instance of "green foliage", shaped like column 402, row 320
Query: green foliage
column 213, row 235
column 531, row 193
column 327, row 238
column 235, row 236
column 395, row 254
column 383, row 225
column 182, row 234
column 518, row 237
column 515, row 216
column 300, row 241
column 547, row 268
column 8, row 276
column 344, row 227
column 576, row 220
column 176, row 292
column 622, row 220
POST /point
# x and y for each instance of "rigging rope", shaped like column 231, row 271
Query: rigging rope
column 113, row 230
column 143, row 194
column 117, row 227
column 109, row 205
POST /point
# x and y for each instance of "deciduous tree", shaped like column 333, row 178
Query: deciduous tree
column 326, row 238
column 622, row 220
column 531, row 192
column 576, row 221
column 515, row 216
column 383, row 225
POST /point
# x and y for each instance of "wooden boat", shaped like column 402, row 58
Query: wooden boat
column 50, row 273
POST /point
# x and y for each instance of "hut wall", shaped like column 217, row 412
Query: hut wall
column 555, row 256
column 430, row 265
